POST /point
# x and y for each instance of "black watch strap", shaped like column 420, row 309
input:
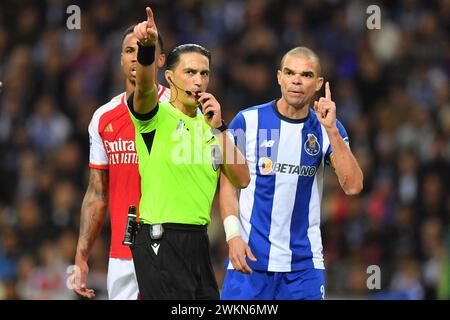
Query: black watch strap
column 223, row 127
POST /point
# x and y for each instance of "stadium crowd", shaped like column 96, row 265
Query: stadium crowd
column 391, row 88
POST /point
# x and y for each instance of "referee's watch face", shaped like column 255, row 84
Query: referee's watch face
column 299, row 80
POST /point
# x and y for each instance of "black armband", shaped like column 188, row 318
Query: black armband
column 145, row 55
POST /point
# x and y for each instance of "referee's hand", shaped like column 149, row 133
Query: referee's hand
column 238, row 250
column 210, row 106
column 146, row 31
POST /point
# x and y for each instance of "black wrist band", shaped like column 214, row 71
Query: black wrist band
column 220, row 129
column 145, row 55
column 223, row 126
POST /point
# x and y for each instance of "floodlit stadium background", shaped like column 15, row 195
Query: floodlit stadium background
column 390, row 87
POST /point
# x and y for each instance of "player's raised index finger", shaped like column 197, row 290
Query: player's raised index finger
column 149, row 14
column 327, row 91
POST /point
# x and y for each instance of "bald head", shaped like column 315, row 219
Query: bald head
column 305, row 53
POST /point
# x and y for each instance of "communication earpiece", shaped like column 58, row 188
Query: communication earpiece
column 190, row 93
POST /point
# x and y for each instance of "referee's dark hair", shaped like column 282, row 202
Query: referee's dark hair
column 174, row 56
column 130, row 29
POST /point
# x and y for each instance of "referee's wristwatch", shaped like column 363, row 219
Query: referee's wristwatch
column 222, row 128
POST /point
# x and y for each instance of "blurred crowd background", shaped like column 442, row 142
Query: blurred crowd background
column 391, row 88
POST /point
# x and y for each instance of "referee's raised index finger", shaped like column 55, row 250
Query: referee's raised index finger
column 149, row 14
column 327, row 91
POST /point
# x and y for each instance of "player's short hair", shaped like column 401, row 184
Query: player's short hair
column 304, row 52
column 130, row 29
column 174, row 56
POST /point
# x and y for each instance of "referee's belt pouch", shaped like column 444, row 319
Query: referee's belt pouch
column 156, row 231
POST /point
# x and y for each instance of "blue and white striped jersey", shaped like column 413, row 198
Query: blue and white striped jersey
column 280, row 209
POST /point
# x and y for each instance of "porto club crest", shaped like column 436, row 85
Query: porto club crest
column 312, row 146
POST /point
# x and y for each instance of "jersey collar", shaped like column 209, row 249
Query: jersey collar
column 279, row 115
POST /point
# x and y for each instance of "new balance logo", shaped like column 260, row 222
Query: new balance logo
column 267, row 143
column 109, row 128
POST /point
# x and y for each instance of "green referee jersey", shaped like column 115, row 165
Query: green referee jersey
column 178, row 164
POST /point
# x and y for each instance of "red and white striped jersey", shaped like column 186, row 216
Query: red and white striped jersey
column 112, row 148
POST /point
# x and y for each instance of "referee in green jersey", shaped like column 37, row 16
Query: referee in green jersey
column 181, row 154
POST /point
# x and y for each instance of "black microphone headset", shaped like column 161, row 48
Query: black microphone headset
column 190, row 93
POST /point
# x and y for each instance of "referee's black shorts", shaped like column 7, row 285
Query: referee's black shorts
column 177, row 266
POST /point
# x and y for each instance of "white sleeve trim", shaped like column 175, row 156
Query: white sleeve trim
column 97, row 152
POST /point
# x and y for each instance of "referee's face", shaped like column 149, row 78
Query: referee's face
column 192, row 74
column 299, row 80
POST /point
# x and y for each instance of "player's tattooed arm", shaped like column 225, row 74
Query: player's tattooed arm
column 93, row 213
column 93, row 210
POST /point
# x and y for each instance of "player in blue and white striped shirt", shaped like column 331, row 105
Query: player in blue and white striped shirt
column 273, row 226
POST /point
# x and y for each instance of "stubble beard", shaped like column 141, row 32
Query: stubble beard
column 298, row 105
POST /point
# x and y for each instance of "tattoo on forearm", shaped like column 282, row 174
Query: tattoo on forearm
column 93, row 209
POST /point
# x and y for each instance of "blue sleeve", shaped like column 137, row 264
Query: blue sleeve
column 344, row 136
column 237, row 128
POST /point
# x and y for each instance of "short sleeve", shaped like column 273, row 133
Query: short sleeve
column 98, row 159
column 143, row 122
column 344, row 136
column 237, row 128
